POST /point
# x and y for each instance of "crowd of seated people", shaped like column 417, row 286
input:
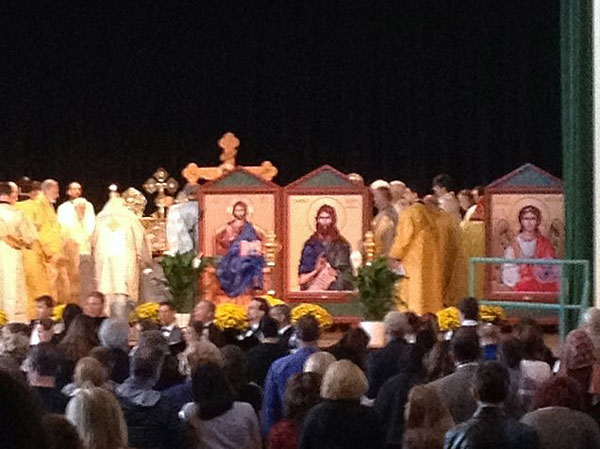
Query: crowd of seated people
column 102, row 383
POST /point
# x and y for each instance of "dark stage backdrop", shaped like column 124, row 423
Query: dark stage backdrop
column 109, row 91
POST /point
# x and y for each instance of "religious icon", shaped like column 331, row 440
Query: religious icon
column 526, row 226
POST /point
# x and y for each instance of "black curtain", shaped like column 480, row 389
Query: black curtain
column 104, row 92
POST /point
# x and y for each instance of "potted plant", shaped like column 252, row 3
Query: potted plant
column 181, row 273
column 376, row 285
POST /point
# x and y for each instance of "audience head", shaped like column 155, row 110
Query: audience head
column 509, row 353
column 193, row 331
column 43, row 362
column 302, row 392
column 591, row 322
column 166, row 313
column 43, row 306
column 105, row 357
column 94, row 304
column 211, row 391
column 489, row 334
column 114, row 333
column 282, row 314
column 89, row 372
column 307, row 331
column 234, row 365
column 204, row 312
column 98, row 418
column 577, row 358
column 146, row 363
column 257, row 308
column 318, row 362
column 69, row 313
column 45, row 330
column 154, row 339
column 15, row 341
column 424, row 408
column 531, row 336
column 465, row 345
column 268, row 327
column 80, row 338
column 397, row 324
column 491, row 382
column 343, row 380
column 559, row 391
column 198, row 353
column 20, row 419
column 61, row 433
column 469, row 309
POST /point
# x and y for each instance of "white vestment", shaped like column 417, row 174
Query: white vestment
column 120, row 249
column 16, row 232
column 67, row 217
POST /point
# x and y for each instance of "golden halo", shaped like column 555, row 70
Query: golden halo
column 247, row 201
column 530, row 201
column 339, row 211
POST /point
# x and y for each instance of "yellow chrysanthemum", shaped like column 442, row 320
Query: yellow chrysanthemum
column 448, row 319
column 489, row 314
column 322, row 316
column 147, row 311
column 57, row 312
column 272, row 300
column 231, row 316
column 3, row 318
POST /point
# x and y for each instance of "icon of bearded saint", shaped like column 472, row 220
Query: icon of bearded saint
column 325, row 259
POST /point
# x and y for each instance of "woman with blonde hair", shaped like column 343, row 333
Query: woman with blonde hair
column 89, row 372
column 426, row 419
column 340, row 420
column 98, row 418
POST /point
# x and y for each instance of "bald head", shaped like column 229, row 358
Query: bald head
column 50, row 190
column 397, row 188
column 431, row 202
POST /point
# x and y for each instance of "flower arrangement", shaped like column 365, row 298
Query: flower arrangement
column 57, row 312
column 146, row 311
column 319, row 313
column 272, row 300
column 3, row 318
column 449, row 318
column 181, row 277
column 231, row 316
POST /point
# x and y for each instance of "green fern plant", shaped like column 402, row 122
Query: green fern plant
column 181, row 278
column 375, row 283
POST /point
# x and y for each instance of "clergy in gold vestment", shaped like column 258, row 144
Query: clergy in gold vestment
column 120, row 251
column 416, row 247
column 452, row 256
column 473, row 242
column 16, row 233
column 385, row 222
column 44, row 262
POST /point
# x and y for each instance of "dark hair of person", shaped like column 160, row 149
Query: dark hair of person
column 148, row 325
column 234, row 367
column 510, row 352
column 411, row 361
column 69, row 313
column 285, row 310
column 531, row 336
column 46, row 323
column 480, row 189
column 301, row 394
column 168, row 304
column 307, row 329
column 20, row 416
column 18, row 328
column 198, row 326
column 24, row 183
column 469, row 308
column 211, row 391
column 559, row 391
column 80, row 338
column 104, row 356
column 465, row 345
column 264, row 305
column 466, row 192
column 439, row 361
column 61, row 433
column 35, row 185
column 154, row 339
column 5, row 188
column 146, row 362
column 491, row 382
column 46, row 299
column 268, row 327
column 44, row 359
column 352, row 346
column 443, row 180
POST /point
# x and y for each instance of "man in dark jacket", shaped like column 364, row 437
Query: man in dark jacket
column 490, row 427
column 383, row 364
column 261, row 357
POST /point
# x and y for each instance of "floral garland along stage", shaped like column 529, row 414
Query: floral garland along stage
column 449, row 318
column 322, row 316
column 231, row 316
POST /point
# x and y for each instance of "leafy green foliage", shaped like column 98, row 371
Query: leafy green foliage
column 181, row 277
column 376, row 289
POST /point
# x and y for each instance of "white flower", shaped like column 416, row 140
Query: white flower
column 196, row 263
